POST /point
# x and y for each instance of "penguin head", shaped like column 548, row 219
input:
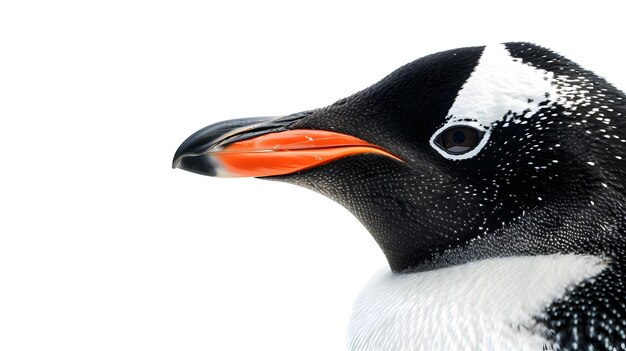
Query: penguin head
column 460, row 155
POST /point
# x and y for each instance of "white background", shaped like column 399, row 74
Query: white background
column 104, row 247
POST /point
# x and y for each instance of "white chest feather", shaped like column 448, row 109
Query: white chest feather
column 484, row 305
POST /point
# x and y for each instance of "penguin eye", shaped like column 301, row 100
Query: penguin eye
column 459, row 140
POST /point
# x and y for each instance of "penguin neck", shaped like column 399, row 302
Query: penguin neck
column 558, row 271
column 591, row 225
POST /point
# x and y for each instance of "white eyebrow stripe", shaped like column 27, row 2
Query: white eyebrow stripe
column 500, row 83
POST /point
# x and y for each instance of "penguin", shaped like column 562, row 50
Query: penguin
column 491, row 177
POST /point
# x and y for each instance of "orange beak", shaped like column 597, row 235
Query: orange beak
column 261, row 147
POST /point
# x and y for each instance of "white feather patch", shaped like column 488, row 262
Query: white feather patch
column 482, row 305
column 499, row 85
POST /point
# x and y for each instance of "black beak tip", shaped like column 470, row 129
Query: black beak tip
column 192, row 153
column 181, row 152
column 200, row 164
column 175, row 162
column 178, row 156
column 187, row 148
column 203, row 139
column 186, row 159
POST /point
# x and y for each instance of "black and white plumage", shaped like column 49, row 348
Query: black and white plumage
column 501, row 213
